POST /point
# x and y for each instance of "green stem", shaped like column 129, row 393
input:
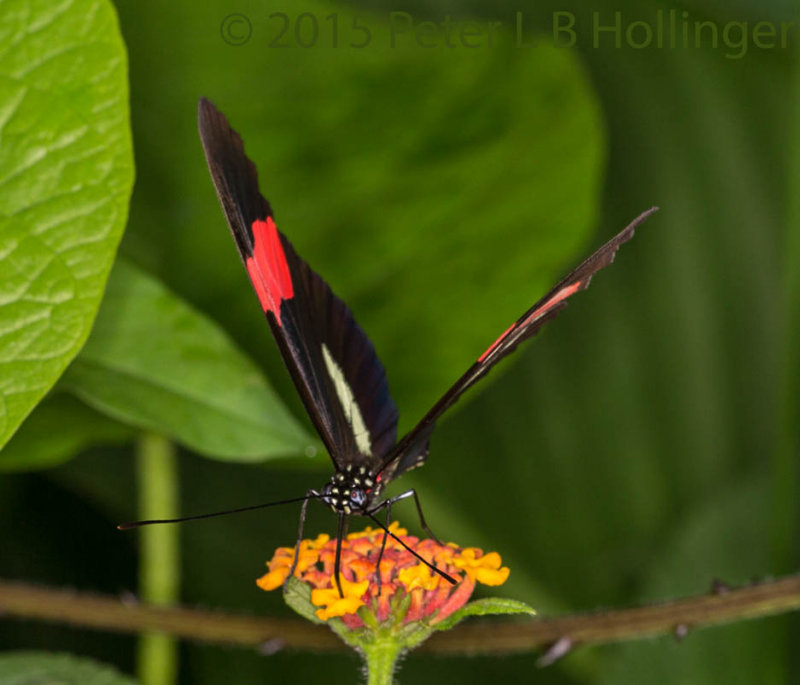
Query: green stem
column 159, row 562
column 380, row 660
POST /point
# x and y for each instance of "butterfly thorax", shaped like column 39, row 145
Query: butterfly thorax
column 348, row 492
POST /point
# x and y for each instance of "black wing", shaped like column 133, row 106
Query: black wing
column 413, row 448
column 332, row 362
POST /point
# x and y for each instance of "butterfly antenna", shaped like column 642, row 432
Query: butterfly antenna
column 139, row 524
column 431, row 566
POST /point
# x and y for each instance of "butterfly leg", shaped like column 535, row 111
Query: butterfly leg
column 422, row 522
column 343, row 524
column 309, row 495
column 405, row 495
column 386, row 531
column 388, row 505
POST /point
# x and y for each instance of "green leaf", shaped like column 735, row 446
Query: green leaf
column 67, row 173
column 59, row 428
column 458, row 186
column 492, row 606
column 155, row 362
column 44, row 668
column 297, row 595
column 656, row 389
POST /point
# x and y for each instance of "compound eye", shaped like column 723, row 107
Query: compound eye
column 358, row 497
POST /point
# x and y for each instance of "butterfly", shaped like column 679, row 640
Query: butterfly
column 332, row 362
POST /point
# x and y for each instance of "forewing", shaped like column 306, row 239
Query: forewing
column 412, row 450
column 332, row 362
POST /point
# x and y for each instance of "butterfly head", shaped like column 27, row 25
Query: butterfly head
column 348, row 492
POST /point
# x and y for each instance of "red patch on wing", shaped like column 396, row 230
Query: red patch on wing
column 496, row 343
column 561, row 295
column 268, row 268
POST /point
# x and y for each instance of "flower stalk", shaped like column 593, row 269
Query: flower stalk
column 380, row 660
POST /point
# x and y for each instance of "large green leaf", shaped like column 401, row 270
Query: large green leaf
column 439, row 192
column 154, row 362
column 43, row 668
column 67, row 172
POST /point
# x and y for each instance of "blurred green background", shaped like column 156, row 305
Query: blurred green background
column 642, row 445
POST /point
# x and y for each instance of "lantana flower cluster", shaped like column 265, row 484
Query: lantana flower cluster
column 407, row 584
